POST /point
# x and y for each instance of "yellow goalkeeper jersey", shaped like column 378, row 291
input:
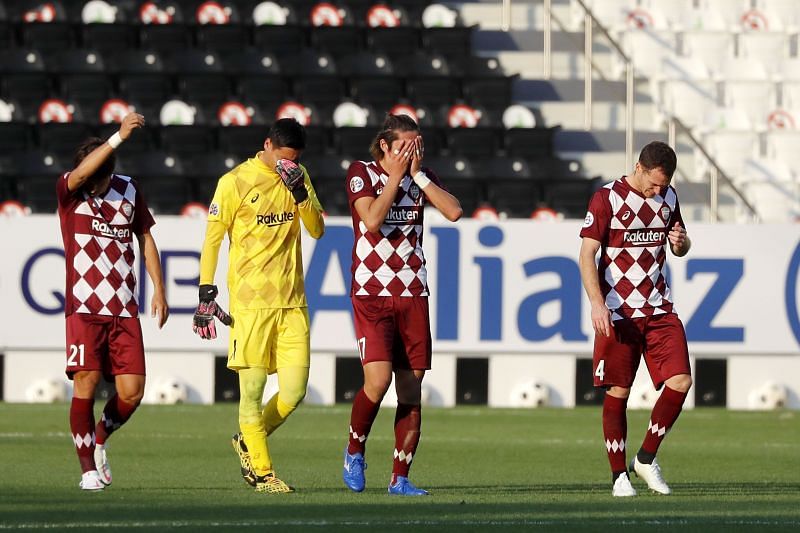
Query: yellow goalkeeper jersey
column 258, row 213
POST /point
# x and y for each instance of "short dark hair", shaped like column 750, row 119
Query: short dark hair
column 287, row 133
column 87, row 147
column 391, row 125
column 659, row 155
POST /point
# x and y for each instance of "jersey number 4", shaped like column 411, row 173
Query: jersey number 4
column 362, row 347
column 75, row 351
column 600, row 371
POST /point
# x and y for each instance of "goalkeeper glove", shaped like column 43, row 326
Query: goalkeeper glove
column 292, row 176
column 203, row 322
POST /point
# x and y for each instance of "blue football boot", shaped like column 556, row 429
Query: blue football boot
column 401, row 486
column 353, row 472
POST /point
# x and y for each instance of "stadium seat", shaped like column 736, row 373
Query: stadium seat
column 62, row 140
column 394, row 42
column 569, row 196
column 371, row 80
column 222, row 38
column 731, row 150
column 516, row 198
column 332, row 194
column 553, row 168
column 354, row 142
column 149, row 89
column 429, row 81
column 769, row 49
column 501, row 168
column 279, row 40
column 161, row 178
column 23, row 78
column 756, row 98
column 689, row 101
column 648, row 48
column 453, row 43
column 473, row 142
column 784, row 10
column 730, row 11
column 529, row 143
column 241, row 141
column 783, row 146
column 186, row 141
column 712, row 47
column 165, row 38
column 200, row 76
column 108, row 38
column 673, row 12
column 133, row 61
column 15, row 138
column 37, row 172
column 203, row 170
column 337, row 41
column 47, row 38
column 82, row 75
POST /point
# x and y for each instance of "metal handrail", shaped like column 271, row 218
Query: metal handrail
column 590, row 21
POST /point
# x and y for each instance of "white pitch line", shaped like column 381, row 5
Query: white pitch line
column 376, row 523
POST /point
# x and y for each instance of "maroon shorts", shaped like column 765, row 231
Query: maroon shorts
column 660, row 338
column 393, row 328
column 110, row 344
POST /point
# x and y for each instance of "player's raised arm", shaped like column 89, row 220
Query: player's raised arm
column 311, row 212
column 394, row 159
column 442, row 200
column 92, row 162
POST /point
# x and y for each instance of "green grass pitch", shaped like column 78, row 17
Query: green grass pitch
column 501, row 469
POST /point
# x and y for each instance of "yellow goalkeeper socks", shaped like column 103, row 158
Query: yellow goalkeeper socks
column 251, row 388
column 292, row 383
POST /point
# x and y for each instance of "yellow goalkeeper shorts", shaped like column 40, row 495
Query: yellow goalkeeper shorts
column 269, row 338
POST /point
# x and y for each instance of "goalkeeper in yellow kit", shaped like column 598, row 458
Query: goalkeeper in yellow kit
column 259, row 205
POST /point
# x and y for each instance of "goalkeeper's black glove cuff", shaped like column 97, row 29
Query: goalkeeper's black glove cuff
column 208, row 293
column 300, row 194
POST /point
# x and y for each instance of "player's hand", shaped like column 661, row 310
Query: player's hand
column 131, row 122
column 293, row 178
column 159, row 308
column 203, row 323
column 677, row 236
column 417, row 153
column 601, row 320
column 397, row 160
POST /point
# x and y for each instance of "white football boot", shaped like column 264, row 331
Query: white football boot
column 91, row 481
column 650, row 473
column 622, row 487
column 101, row 462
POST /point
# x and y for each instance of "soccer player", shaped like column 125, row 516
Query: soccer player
column 259, row 205
column 390, row 291
column 632, row 221
column 100, row 212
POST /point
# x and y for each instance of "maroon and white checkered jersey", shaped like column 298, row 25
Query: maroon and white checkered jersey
column 390, row 262
column 633, row 232
column 98, row 246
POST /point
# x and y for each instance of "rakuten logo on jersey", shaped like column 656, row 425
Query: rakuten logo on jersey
column 110, row 231
column 645, row 237
column 275, row 219
column 402, row 215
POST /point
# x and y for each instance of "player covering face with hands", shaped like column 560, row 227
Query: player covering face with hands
column 390, row 292
column 260, row 205
column 631, row 222
column 100, row 211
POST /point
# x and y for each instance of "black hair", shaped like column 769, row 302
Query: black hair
column 659, row 155
column 287, row 133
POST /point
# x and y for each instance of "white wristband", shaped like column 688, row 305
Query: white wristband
column 421, row 179
column 115, row 140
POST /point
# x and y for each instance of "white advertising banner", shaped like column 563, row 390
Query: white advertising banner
column 509, row 287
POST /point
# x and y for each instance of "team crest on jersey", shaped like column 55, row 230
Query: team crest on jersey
column 589, row 220
column 356, row 184
column 213, row 209
column 665, row 212
column 413, row 191
column 127, row 210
